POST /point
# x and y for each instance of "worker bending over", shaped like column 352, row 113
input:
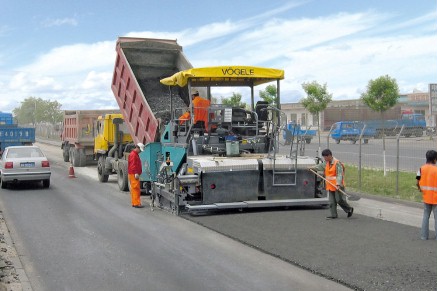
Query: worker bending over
column 200, row 110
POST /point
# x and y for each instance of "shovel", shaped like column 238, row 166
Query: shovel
column 349, row 196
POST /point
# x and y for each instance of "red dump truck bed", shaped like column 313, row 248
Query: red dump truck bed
column 79, row 125
column 143, row 100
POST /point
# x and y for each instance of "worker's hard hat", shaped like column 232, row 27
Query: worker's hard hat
column 141, row 146
column 195, row 92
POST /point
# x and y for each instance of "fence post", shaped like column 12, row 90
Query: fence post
column 359, row 158
column 327, row 138
column 397, row 159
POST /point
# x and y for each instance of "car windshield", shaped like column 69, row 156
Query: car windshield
column 24, row 153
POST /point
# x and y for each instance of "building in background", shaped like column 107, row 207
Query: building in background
column 355, row 109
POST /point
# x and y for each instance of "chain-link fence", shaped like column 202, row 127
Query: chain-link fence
column 371, row 169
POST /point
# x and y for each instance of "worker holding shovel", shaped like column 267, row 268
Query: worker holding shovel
column 334, row 182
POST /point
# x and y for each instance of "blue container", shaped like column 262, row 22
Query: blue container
column 6, row 118
column 11, row 136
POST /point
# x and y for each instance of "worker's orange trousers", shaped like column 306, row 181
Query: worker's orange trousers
column 135, row 190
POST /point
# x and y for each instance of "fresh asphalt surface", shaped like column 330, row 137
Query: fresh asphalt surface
column 361, row 252
column 87, row 235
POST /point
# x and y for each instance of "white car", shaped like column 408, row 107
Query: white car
column 24, row 163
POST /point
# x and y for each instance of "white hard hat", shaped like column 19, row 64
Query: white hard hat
column 141, row 146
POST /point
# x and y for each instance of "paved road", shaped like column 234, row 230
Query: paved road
column 83, row 235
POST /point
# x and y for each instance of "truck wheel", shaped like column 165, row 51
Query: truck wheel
column 366, row 141
column 122, row 176
column 79, row 158
column 101, row 172
column 308, row 140
column 66, row 153
column 82, row 158
column 419, row 133
column 337, row 141
column 354, row 141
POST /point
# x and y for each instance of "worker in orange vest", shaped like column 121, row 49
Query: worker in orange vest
column 334, row 173
column 200, row 110
column 134, row 171
column 426, row 181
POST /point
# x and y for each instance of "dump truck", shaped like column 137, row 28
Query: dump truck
column 295, row 130
column 142, row 99
column 411, row 125
column 112, row 145
column 78, row 135
column 12, row 135
column 229, row 161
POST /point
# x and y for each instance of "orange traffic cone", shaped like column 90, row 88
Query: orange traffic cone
column 71, row 172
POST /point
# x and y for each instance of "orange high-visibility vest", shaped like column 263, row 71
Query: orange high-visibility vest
column 428, row 183
column 331, row 175
column 201, row 106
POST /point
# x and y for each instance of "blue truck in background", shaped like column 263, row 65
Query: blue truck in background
column 11, row 134
column 295, row 130
column 414, row 125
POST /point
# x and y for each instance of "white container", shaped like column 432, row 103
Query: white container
column 232, row 148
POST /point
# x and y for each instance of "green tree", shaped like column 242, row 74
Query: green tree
column 316, row 101
column 234, row 101
column 381, row 94
column 269, row 94
column 34, row 110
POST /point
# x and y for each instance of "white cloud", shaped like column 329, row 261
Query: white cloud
column 73, row 75
column 343, row 50
column 59, row 22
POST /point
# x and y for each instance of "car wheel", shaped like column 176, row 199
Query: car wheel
column 103, row 177
column 46, row 183
column 122, row 177
column 3, row 184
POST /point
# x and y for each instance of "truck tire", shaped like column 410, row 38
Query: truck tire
column 82, row 157
column 366, row 141
column 337, row 141
column 78, row 158
column 66, row 153
column 353, row 141
column 308, row 140
column 122, row 177
column 101, row 171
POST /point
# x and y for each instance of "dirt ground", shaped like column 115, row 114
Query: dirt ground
column 9, row 278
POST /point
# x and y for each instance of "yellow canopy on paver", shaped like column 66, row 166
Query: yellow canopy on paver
column 224, row 76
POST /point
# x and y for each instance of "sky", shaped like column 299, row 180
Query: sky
column 65, row 50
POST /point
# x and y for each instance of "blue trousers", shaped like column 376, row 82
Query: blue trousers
column 427, row 209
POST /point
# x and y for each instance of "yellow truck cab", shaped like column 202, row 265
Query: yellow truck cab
column 112, row 144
